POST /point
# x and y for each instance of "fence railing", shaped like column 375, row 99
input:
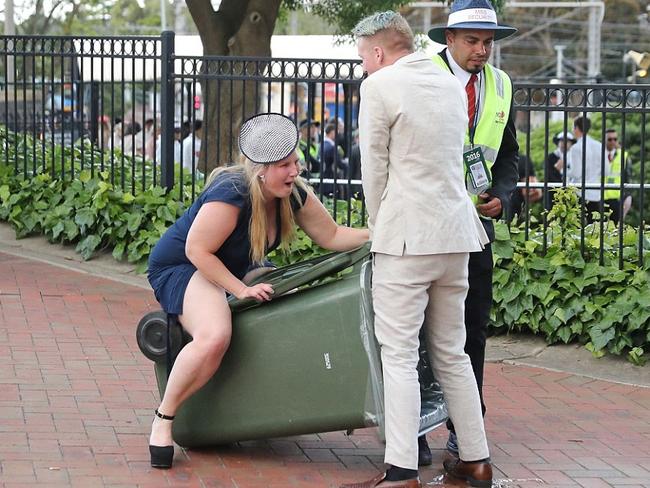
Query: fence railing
column 618, row 115
column 80, row 92
column 132, row 107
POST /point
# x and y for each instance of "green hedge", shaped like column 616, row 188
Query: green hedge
column 88, row 212
column 84, row 207
column 567, row 295
column 564, row 295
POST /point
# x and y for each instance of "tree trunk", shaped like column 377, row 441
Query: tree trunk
column 239, row 28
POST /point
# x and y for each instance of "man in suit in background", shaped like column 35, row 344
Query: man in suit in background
column 333, row 164
column 423, row 227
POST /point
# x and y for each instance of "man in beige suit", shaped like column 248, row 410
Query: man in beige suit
column 423, row 226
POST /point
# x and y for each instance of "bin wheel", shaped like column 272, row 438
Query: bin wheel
column 151, row 335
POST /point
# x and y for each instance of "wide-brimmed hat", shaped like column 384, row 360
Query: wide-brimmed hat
column 268, row 138
column 471, row 14
column 560, row 135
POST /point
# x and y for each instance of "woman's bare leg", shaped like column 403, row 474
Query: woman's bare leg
column 206, row 317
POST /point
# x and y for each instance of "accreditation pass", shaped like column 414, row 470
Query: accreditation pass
column 478, row 175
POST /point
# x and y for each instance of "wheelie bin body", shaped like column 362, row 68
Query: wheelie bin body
column 305, row 362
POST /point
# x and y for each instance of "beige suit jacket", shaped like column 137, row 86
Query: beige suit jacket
column 412, row 122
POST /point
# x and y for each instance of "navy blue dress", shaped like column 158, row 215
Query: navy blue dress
column 170, row 270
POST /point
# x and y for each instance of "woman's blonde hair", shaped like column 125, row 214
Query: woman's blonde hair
column 257, row 227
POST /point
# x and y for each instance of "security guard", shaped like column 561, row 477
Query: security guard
column 612, row 196
column 307, row 148
column 491, row 155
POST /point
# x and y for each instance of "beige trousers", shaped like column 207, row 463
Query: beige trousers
column 409, row 291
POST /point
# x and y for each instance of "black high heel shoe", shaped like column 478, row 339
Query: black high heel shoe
column 162, row 456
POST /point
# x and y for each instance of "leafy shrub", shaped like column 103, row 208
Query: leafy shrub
column 68, row 195
column 568, row 295
column 563, row 294
column 88, row 212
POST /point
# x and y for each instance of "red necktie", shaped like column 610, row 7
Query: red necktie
column 610, row 156
column 471, row 99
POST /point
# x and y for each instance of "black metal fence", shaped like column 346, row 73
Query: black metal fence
column 133, row 108
column 317, row 94
column 618, row 116
column 73, row 102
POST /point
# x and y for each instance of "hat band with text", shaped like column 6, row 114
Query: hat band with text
column 472, row 15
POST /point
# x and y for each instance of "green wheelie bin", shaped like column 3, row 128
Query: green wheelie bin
column 305, row 362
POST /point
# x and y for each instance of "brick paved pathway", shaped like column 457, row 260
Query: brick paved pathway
column 77, row 396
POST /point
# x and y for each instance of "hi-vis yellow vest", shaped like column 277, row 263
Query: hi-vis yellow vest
column 495, row 109
column 614, row 177
column 302, row 149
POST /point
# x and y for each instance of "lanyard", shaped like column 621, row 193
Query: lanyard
column 472, row 129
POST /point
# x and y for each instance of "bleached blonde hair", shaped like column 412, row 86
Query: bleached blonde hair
column 387, row 22
column 257, row 227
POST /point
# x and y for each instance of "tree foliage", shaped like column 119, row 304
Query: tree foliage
column 343, row 15
column 94, row 17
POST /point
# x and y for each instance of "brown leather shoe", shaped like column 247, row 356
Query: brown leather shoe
column 477, row 474
column 377, row 481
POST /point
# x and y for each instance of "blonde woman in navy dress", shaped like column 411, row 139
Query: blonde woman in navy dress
column 245, row 212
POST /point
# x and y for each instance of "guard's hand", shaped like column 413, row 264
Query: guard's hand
column 491, row 207
column 559, row 165
column 261, row 292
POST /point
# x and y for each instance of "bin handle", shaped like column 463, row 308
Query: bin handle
column 337, row 262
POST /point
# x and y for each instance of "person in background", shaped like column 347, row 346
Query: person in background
column 186, row 129
column 341, row 140
column 332, row 162
column 244, row 212
column 118, row 131
column 191, row 147
column 308, row 147
column 354, row 161
column 142, row 137
column 152, row 143
column 178, row 138
column 616, row 171
column 563, row 143
column 587, row 151
column 131, row 130
column 105, row 131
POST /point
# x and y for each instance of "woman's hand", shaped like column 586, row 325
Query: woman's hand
column 261, row 292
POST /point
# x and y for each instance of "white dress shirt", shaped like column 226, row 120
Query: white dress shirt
column 191, row 146
column 464, row 76
column 593, row 174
